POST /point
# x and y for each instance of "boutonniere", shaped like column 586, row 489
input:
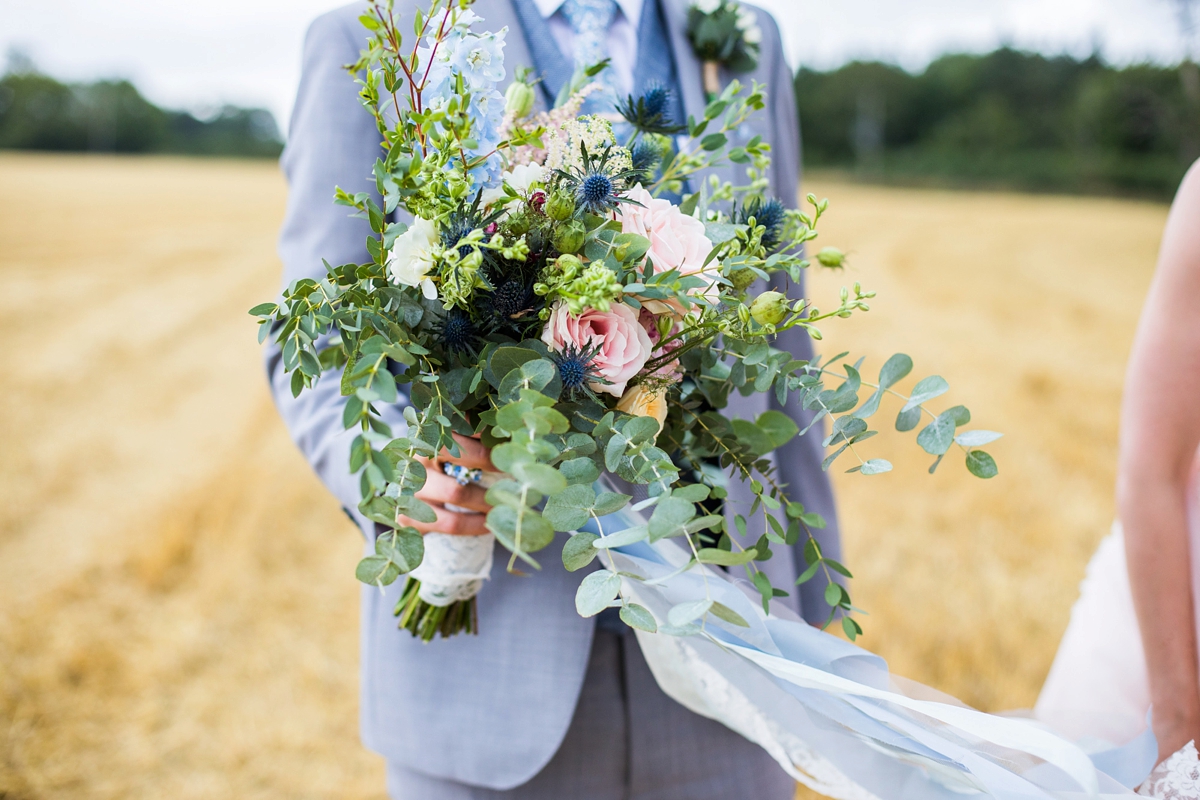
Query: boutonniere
column 722, row 32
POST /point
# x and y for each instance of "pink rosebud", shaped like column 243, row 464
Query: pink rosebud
column 538, row 200
column 622, row 343
column 492, row 228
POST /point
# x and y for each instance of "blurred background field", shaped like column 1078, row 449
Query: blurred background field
column 180, row 613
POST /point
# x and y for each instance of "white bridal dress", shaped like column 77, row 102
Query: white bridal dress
column 1097, row 687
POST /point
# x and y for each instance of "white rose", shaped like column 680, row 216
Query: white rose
column 753, row 35
column 746, row 19
column 523, row 176
column 411, row 257
column 706, row 6
column 520, row 178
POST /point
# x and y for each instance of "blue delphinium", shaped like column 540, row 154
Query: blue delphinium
column 479, row 61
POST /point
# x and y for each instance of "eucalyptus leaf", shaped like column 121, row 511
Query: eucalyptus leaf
column 925, row 390
column 579, row 471
column 691, row 611
column 578, row 551
column 636, row 616
column 981, row 464
column 977, row 438
column 596, row 592
column 669, row 516
column 895, row 369
column 724, row 612
column 571, row 508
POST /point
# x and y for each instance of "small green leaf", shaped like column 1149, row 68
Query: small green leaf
column 977, row 438
column 579, row 471
column 571, row 508
column 894, row 369
column 610, row 503
column 671, row 514
column 981, row 464
column 777, row 426
column 596, row 592
column 925, row 390
column 694, row 493
column 851, row 628
column 377, row 571
column 907, row 420
column 684, row 613
column 578, row 551
column 544, row 478
column 724, row 612
column 635, row 616
column 725, row 558
column 936, row 437
column 876, row 466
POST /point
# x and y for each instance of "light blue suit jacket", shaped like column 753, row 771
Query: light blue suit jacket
column 487, row 710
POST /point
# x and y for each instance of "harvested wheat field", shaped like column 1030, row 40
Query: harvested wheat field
column 180, row 613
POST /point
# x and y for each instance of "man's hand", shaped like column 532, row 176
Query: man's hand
column 441, row 489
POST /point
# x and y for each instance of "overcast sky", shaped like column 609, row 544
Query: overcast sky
column 199, row 54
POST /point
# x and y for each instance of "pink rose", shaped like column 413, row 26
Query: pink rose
column 623, row 343
column 677, row 241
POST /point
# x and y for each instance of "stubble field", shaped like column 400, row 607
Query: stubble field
column 179, row 610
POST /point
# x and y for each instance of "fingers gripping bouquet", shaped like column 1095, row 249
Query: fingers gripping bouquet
column 548, row 298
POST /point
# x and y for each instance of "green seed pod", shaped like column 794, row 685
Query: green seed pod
column 769, row 308
column 518, row 99
column 742, row 279
column 569, row 237
column 831, row 257
column 519, row 224
column 560, row 206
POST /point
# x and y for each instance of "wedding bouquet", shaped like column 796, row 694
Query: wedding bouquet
column 568, row 289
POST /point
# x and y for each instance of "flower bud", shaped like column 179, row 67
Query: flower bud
column 769, row 308
column 560, row 206
column 569, row 265
column 518, row 99
column 569, row 237
column 640, row 401
column 831, row 257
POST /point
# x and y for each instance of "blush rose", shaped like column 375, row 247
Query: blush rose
column 677, row 241
column 622, row 343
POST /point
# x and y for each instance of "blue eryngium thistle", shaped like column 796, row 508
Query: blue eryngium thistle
column 457, row 332
column 770, row 214
column 597, row 183
column 649, row 113
column 576, row 369
column 595, row 191
column 646, row 157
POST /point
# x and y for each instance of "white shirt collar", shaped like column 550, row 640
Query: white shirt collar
column 632, row 9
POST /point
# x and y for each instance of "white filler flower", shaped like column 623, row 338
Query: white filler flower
column 411, row 259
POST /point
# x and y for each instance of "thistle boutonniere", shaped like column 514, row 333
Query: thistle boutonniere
column 723, row 32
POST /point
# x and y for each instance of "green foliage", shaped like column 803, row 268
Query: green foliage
column 39, row 113
column 1009, row 118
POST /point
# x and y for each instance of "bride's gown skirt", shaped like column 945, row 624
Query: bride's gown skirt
column 1097, row 687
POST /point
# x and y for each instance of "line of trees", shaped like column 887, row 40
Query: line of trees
column 1007, row 118
column 39, row 113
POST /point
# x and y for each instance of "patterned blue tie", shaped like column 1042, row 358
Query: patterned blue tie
column 589, row 20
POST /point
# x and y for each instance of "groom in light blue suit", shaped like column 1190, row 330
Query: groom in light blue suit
column 542, row 703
